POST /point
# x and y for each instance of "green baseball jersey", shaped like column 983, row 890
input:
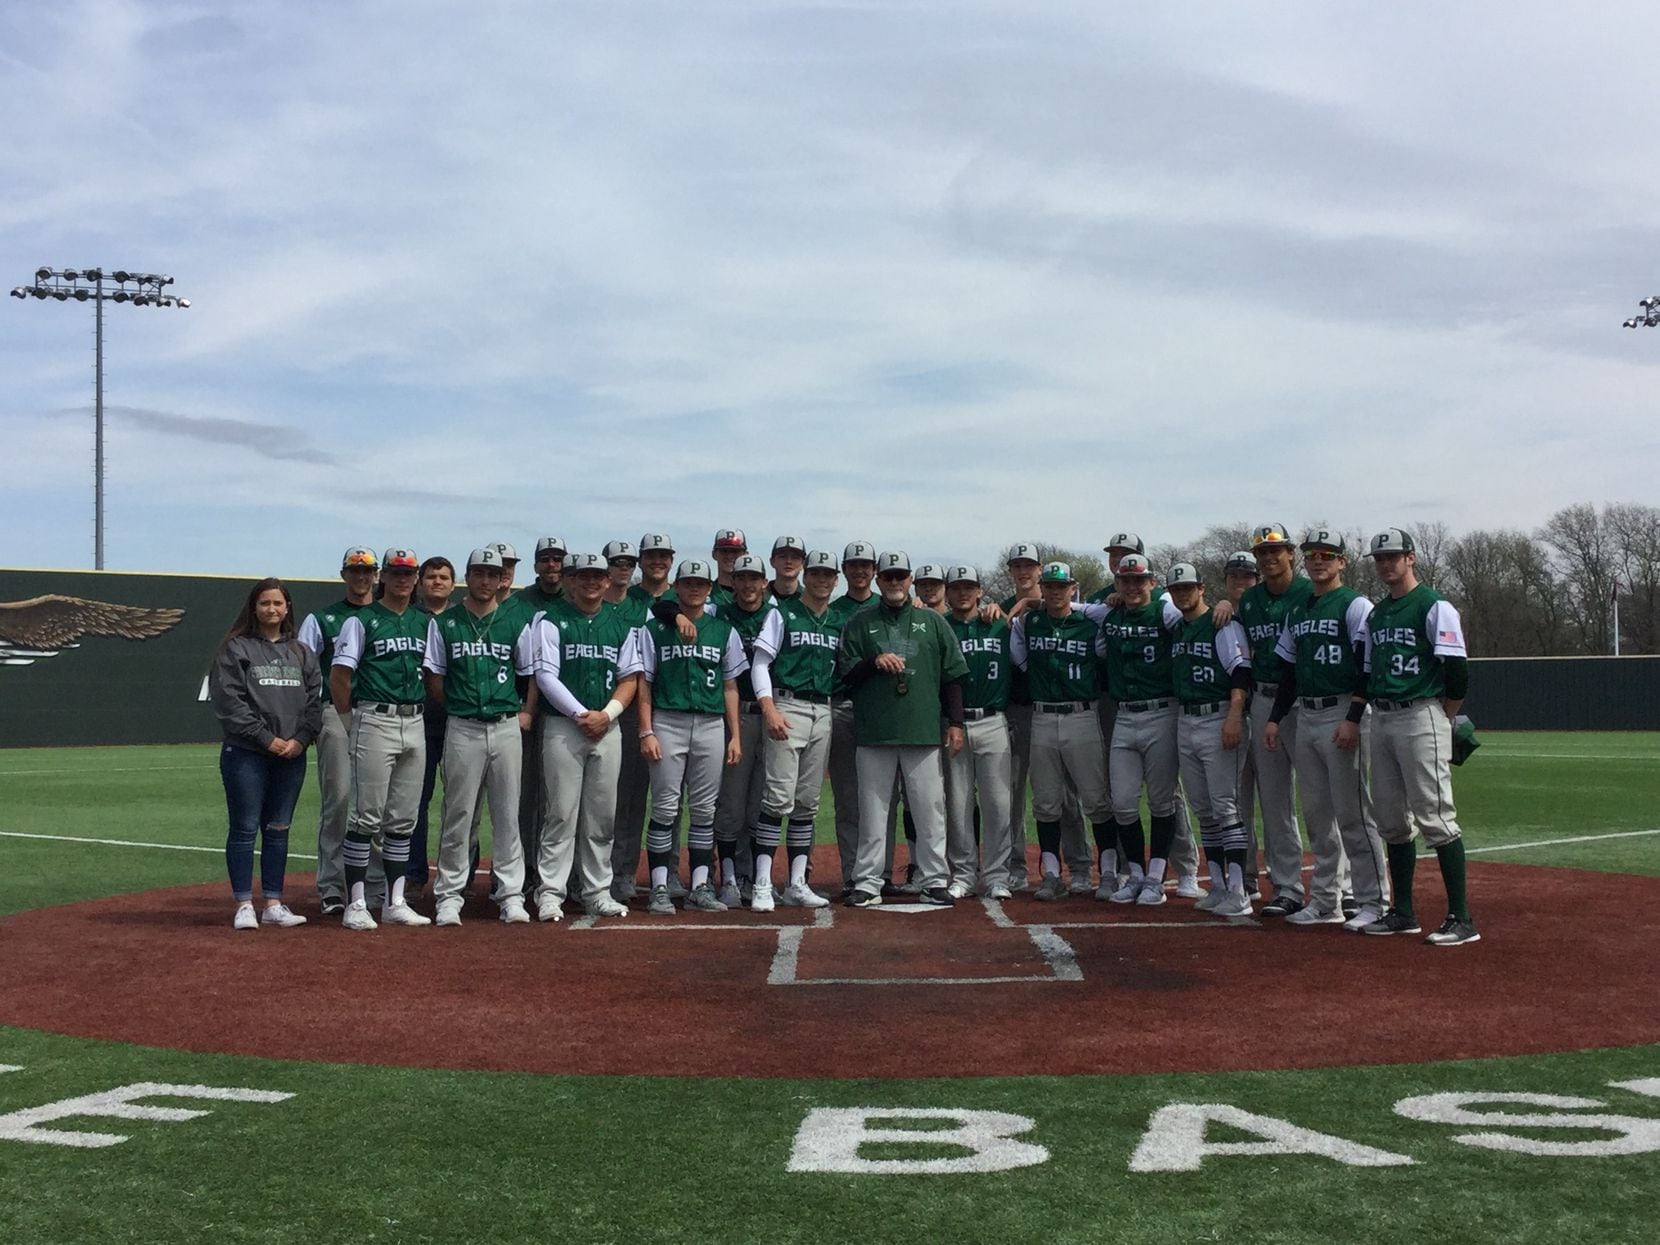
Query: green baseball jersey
column 900, row 710
column 475, row 656
column 1407, row 639
column 320, row 630
column 534, row 600
column 842, row 610
column 1319, row 636
column 589, row 654
column 1203, row 658
column 688, row 676
column 1136, row 644
column 1262, row 614
column 985, row 650
column 801, row 647
column 1061, row 656
column 748, row 627
column 636, row 605
column 384, row 652
column 720, row 594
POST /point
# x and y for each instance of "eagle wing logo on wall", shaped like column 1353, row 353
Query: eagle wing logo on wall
column 45, row 626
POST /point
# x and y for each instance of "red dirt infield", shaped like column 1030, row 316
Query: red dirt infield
column 1569, row 960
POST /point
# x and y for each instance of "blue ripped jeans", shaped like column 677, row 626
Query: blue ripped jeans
column 260, row 793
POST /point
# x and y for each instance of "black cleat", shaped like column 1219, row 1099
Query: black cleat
column 1453, row 933
column 938, row 896
column 1393, row 922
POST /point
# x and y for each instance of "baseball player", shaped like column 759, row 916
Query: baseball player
column 509, row 564
column 977, row 778
column 903, row 665
column 789, row 556
column 358, row 568
column 794, row 674
column 1239, row 575
column 472, row 657
column 434, row 585
column 859, row 570
column 1417, row 677
column 533, row 600
column 1136, row 639
column 375, row 683
column 929, row 581
column 621, row 559
column 586, row 657
column 1322, row 644
column 688, row 727
column 739, row 803
column 1211, row 675
column 1023, row 566
column 1262, row 612
column 730, row 545
column 1057, row 647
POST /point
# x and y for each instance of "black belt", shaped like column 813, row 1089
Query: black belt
column 812, row 698
column 490, row 718
column 391, row 711
column 1143, row 706
column 1319, row 702
column 1204, row 710
column 979, row 715
column 1389, row 705
column 749, row 706
column 1062, row 706
column 1268, row 689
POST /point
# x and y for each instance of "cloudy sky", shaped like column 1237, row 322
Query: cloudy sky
column 939, row 275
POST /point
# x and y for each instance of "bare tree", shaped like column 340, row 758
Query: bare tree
column 1586, row 560
column 1088, row 569
column 1636, row 533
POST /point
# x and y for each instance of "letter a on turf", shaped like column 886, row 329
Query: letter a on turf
column 1175, row 1140
column 830, row 1137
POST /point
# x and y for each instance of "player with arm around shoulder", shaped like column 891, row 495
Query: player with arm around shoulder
column 746, row 607
column 1417, row 677
column 978, row 776
column 1211, row 677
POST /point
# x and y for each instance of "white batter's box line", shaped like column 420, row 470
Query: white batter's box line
column 1001, row 919
column 70, row 838
column 1522, row 847
column 1057, row 953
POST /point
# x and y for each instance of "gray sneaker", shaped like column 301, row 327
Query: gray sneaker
column 660, row 904
column 1454, row 933
column 1050, row 889
column 677, row 888
column 623, row 889
column 1079, row 885
column 1393, row 921
column 703, row 899
column 604, row 905
column 731, row 895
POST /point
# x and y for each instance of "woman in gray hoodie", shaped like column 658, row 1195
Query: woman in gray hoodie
column 266, row 691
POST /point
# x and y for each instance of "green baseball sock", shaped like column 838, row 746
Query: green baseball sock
column 1403, row 859
column 1451, row 857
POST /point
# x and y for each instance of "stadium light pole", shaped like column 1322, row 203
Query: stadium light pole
column 1650, row 317
column 83, row 284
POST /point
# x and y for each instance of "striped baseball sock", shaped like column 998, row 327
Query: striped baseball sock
column 394, row 858
column 660, row 853
column 763, row 842
column 801, row 850
column 700, row 841
column 355, row 853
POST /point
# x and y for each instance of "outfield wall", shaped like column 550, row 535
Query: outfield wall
column 110, row 690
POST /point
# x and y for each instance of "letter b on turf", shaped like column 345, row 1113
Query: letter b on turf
column 830, row 1139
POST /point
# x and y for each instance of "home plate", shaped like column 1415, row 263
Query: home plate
column 910, row 907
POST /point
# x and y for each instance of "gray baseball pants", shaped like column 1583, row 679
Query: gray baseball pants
column 1184, row 857
column 792, row 770
column 739, row 802
column 918, row 766
column 844, row 790
column 389, row 756
column 487, row 758
column 334, row 784
column 1282, row 841
column 979, row 774
column 1412, row 773
column 633, row 780
column 1337, row 809
column 1075, row 840
column 1247, row 805
column 694, row 754
column 1144, row 755
column 1210, row 772
column 579, row 813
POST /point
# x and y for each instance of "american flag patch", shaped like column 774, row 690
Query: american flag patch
column 1446, row 637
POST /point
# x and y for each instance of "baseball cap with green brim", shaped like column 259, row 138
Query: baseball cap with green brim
column 929, row 571
column 821, row 560
column 1134, row 566
column 1324, row 538
column 358, row 558
column 621, row 549
column 693, row 568
column 730, row 538
column 1124, row 540
column 485, row 557
column 962, row 575
column 1056, row 573
column 656, row 542
column 575, row 562
column 1026, row 552
column 1392, row 540
column 749, row 564
column 859, row 551
column 1241, row 561
column 508, row 553
column 1181, row 573
column 896, row 561
column 1269, row 535
column 400, row 560
column 550, row 546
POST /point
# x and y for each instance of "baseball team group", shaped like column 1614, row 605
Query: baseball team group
column 619, row 695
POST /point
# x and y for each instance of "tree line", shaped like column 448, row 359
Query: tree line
column 1550, row 592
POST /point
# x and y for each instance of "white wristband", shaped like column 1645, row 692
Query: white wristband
column 613, row 710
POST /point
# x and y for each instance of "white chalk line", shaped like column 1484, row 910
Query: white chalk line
column 1578, row 838
column 93, row 771
column 70, row 838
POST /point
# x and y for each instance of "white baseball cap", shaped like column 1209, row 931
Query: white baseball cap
column 859, row 551
column 893, row 560
column 822, row 560
column 1025, row 552
column 962, row 575
column 930, row 570
column 508, row 553
column 621, row 549
column 694, row 568
column 749, row 564
column 487, row 556
column 652, row 541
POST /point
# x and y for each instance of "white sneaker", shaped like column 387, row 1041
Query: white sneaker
column 958, row 891
column 606, row 906
column 449, row 910
column 402, row 914
column 1129, row 892
column 513, row 911
column 1367, row 915
column 1152, row 892
column 357, row 916
column 281, row 916
column 551, row 908
column 763, row 898
column 245, row 917
column 800, row 895
column 1312, row 915
column 1187, row 887
column 999, row 892
column 1231, row 903
column 730, row 895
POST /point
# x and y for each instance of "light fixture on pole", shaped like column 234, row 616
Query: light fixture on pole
column 148, row 290
column 1650, row 319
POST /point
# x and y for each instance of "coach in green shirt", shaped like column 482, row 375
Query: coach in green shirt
column 904, row 668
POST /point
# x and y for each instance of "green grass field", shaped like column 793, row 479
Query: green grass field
column 363, row 1153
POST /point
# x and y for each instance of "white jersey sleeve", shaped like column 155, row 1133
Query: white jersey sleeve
column 1285, row 648
column 547, row 663
column 524, row 648
column 1445, row 630
column 632, row 659
column 1231, row 649
column 734, row 662
column 1017, row 642
column 1172, row 616
column 1355, row 618
column 645, row 653
column 771, row 638
column 349, row 644
column 1095, row 611
column 437, row 658
column 311, row 634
